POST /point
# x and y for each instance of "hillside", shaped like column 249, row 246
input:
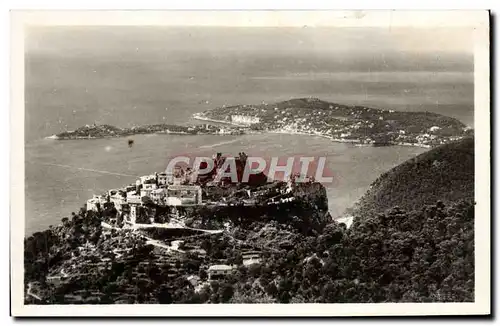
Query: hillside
column 398, row 256
column 444, row 173
column 343, row 123
column 414, row 243
column 88, row 259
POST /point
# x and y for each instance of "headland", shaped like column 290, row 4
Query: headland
column 342, row 123
column 358, row 125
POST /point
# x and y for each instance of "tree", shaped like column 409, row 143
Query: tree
column 164, row 295
column 225, row 292
column 271, row 289
column 203, row 274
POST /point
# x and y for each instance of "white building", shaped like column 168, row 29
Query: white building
column 193, row 279
column 165, row 178
column 251, row 258
column 132, row 194
column 158, row 196
column 134, row 210
column 149, row 186
column 147, row 178
column 118, row 200
column 134, row 199
column 251, row 261
column 183, row 195
column 92, row 203
column 244, row 119
column 219, row 270
column 146, row 192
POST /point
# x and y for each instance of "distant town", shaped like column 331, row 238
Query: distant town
column 342, row 123
column 308, row 116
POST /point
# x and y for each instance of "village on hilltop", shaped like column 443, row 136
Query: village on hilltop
column 157, row 210
column 180, row 188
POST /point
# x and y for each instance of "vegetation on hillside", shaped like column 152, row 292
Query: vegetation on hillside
column 398, row 256
column 444, row 173
column 103, row 131
column 347, row 123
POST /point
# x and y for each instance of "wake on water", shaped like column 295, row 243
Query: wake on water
column 90, row 170
column 219, row 144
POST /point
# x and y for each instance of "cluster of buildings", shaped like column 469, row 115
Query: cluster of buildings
column 177, row 188
column 425, row 139
column 139, row 203
column 219, row 130
column 245, row 120
column 341, row 123
column 160, row 189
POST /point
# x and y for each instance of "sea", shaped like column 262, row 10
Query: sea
column 72, row 81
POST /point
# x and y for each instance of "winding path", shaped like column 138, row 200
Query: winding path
column 31, row 293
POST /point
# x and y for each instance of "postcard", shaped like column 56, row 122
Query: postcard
column 250, row 163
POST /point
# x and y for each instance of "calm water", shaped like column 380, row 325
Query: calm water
column 137, row 77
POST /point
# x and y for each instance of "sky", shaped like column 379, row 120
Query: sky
column 66, row 40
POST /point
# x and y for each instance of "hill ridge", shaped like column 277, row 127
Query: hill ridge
column 445, row 173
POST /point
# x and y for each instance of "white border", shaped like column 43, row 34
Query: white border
column 475, row 19
column 255, row 18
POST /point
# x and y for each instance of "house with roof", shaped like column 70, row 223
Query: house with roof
column 183, row 195
column 216, row 271
column 165, row 178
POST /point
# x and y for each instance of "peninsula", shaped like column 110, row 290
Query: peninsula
column 307, row 116
column 342, row 123
column 107, row 131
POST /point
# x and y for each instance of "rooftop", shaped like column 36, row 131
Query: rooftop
column 183, row 187
column 220, row 268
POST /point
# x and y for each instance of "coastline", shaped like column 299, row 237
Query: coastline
column 197, row 116
column 290, row 132
column 359, row 126
column 56, row 137
column 276, row 131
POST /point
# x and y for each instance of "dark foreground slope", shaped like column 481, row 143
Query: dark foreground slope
column 398, row 256
column 412, row 240
column 445, row 173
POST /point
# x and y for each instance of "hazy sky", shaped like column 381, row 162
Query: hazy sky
column 355, row 40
